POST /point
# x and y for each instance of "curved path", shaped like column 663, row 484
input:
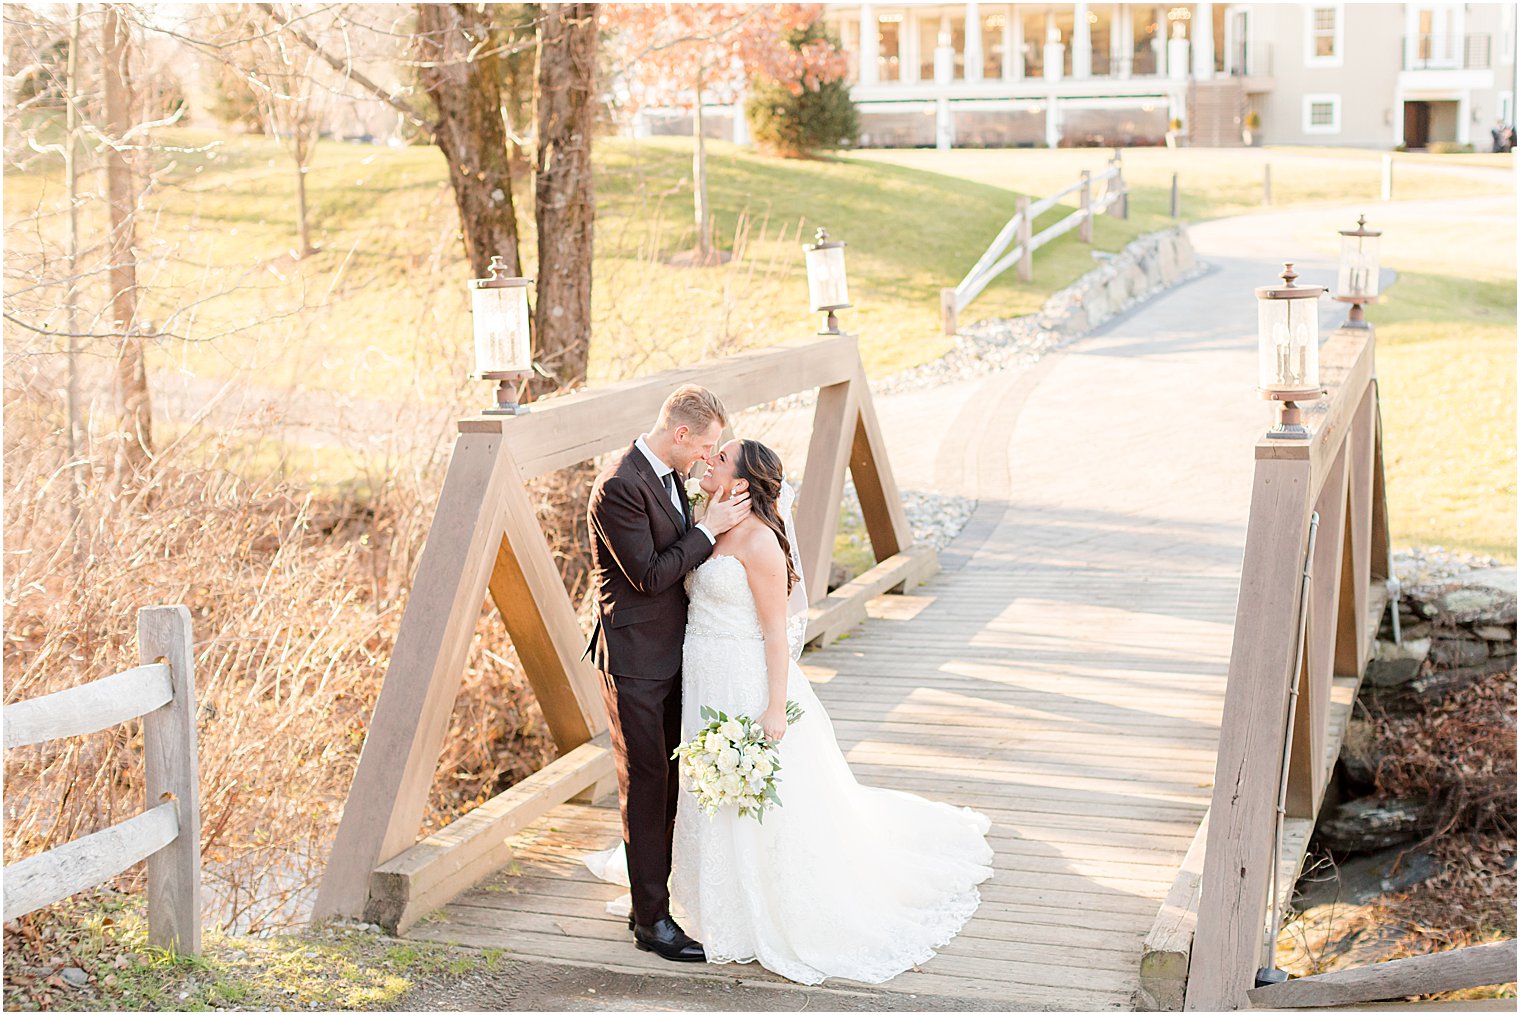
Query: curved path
column 1064, row 673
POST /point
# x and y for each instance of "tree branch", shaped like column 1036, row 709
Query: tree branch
column 346, row 68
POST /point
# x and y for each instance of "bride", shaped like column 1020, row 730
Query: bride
column 841, row 880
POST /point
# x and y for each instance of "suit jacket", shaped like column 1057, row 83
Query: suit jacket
column 641, row 550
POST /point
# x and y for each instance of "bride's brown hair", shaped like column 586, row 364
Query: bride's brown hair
column 761, row 468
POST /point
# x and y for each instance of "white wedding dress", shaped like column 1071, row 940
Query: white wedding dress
column 841, row 880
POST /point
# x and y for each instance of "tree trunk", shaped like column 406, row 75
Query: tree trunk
column 136, row 443
column 699, row 181
column 465, row 87
column 302, row 155
column 71, row 295
column 564, row 209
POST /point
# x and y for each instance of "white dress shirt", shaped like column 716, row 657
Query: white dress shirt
column 661, row 470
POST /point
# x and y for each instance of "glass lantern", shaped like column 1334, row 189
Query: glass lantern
column 1357, row 281
column 1288, row 350
column 503, row 350
column 828, row 290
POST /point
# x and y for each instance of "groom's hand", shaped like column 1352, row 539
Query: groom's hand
column 725, row 512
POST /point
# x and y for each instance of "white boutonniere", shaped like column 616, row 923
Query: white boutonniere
column 696, row 496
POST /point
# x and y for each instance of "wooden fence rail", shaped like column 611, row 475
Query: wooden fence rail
column 1337, row 474
column 168, row 833
column 1018, row 234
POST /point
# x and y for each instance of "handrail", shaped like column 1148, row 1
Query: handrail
column 998, row 258
column 1335, row 473
column 167, row 833
column 88, row 708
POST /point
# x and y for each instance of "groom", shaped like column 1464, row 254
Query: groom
column 643, row 543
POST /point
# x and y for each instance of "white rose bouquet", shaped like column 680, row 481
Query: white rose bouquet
column 730, row 761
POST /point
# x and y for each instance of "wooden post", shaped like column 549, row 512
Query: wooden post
column 173, row 773
column 1026, row 231
column 1242, row 815
column 386, row 801
column 1351, row 647
column 1084, row 231
column 1266, row 184
column 880, row 504
column 1176, row 206
column 834, row 422
column 947, row 311
column 1306, row 768
column 1387, row 177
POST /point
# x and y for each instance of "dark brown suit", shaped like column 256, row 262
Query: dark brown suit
column 641, row 550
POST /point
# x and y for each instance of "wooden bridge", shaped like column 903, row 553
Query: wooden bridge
column 1065, row 667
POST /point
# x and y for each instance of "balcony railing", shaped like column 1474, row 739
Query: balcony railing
column 1434, row 51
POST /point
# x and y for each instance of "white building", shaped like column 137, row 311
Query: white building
column 1353, row 74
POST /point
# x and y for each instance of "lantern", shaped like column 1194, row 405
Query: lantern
column 503, row 351
column 827, row 288
column 1288, row 350
column 1357, row 281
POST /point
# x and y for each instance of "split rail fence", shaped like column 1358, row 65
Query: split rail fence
column 485, row 539
column 168, row 833
column 1019, row 234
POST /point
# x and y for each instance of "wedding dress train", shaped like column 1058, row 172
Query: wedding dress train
column 841, row 880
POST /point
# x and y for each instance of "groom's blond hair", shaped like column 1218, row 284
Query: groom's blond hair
column 693, row 407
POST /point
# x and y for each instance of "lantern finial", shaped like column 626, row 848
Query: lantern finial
column 821, row 236
column 1288, row 274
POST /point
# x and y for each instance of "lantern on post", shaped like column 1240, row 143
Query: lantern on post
column 1288, row 350
column 503, row 350
column 1357, row 281
column 827, row 288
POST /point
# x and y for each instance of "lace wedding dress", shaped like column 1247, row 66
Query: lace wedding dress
column 842, row 880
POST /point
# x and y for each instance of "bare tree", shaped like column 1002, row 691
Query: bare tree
column 136, row 436
column 564, row 207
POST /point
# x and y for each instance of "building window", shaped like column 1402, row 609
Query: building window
column 849, row 35
column 889, row 36
column 1322, row 114
column 994, row 43
column 1327, row 36
column 930, row 28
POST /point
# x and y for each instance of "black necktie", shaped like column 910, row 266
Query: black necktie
column 675, row 496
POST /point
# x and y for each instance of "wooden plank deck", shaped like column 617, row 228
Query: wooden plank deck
column 1064, row 673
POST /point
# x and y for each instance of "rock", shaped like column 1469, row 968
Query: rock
column 75, row 977
column 839, row 575
column 1371, row 823
column 1362, row 879
column 1501, row 649
column 1485, row 597
column 1450, row 653
column 1433, row 688
column 1493, row 633
column 1415, row 629
column 1393, row 664
column 1358, row 757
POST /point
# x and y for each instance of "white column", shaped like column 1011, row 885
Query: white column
column 1203, row 41
column 973, row 43
column 870, row 45
column 1177, row 59
column 1081, row 44
column 1013, row 46
column 944, row 71
column 1055, row 54
column 1052, row 122
column 1124, row 41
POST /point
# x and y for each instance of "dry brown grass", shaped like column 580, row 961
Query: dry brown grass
column 295, row 593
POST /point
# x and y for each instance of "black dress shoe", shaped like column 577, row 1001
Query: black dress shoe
column 667, row 940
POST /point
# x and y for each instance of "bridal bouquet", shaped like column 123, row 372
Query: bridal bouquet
column 731, row 761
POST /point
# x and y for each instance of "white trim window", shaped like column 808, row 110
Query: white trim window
column 1322, row 114
column 1324, row 35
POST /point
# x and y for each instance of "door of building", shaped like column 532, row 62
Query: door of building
column 1416, row 124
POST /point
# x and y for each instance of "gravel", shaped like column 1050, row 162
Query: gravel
column 1420, row 565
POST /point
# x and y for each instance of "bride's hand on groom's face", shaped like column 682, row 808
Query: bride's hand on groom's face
column 725, row 512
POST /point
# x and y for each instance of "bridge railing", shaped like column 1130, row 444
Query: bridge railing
column 1306, row 618
column 1016, row 242
column 485, row 539
column 168, row 833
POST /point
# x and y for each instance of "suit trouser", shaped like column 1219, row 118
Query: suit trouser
column 644, row 718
